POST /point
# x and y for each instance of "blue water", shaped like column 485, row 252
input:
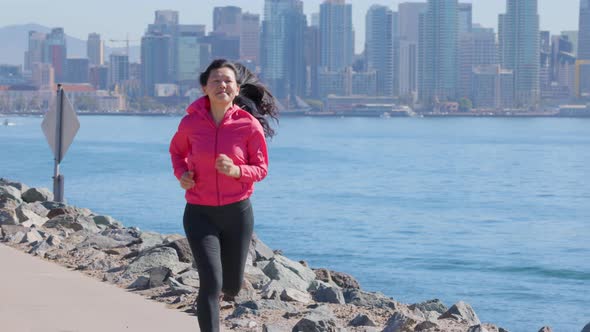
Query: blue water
column 494, row 212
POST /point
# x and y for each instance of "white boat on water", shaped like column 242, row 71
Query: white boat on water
column 8, row 123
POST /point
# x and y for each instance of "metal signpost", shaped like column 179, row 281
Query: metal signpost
column 60, row 125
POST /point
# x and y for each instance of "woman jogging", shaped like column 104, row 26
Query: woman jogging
column 218, row 152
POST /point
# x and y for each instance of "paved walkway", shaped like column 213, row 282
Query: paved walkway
column 37, row 295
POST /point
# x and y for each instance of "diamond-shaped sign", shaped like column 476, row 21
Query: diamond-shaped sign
column 69, row 127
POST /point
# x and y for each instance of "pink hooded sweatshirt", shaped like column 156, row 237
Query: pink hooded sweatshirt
column 198, row 142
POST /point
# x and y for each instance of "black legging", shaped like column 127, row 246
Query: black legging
column 219, row 237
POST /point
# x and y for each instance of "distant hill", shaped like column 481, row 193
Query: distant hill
column 14, row 43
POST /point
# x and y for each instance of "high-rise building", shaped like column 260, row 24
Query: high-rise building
column 156, row 56
column 95, row 49
column 56, row 52
column 476, row 48
column 227, row 20
column 336, row 35
column 584, row 48
column 379, row 46
column 312, row 60
column 520, row 49
column 35, row 52
column 118, row 69
column 166, row 17
column 438, row 52
column 99, row 77
column 250, row 38
column 43, row 76
column 282, row 54
column 166, row 24
column 572, row 36
column 492, row 87
column 465, row 18
column 409, row 35
column 77, row 70
column 189, row 55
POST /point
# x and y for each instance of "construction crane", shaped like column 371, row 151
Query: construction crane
column 126, row 41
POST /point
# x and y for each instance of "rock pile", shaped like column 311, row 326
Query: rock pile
column 278, row 294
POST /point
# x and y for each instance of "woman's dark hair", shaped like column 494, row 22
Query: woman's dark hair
column 254, row 97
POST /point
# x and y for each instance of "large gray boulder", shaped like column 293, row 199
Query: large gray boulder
column 294, row 295
column 107, row 221
column 102, row 242
column 150, row 240
column 400, row 322
column 462, row 311
column 156, row 257
column 369, row 300
column 260, row 251
column 255, row 276
column 434, row 305
column 10, row 192
column 32, row 236
column 8, row 217
column 318, row 320
column 183, row 250
column 329, row 294
column 37, row 195
column 190, row 278
column 37, row 208
column 289, row 274
column 8, row 203
column 20, row 186
column 75, row 223
column 362, row 320
column 28, row 217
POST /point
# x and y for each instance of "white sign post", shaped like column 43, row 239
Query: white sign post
column 60, row 125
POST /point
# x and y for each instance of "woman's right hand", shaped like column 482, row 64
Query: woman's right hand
column 186, row 180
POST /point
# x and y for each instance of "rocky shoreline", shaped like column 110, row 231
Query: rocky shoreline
column 278, row 294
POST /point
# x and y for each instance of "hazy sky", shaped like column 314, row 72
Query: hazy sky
column 113, row 19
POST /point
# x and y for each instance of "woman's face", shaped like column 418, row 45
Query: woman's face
column 221, row 86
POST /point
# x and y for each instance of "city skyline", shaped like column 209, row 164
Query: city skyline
column 555, row 16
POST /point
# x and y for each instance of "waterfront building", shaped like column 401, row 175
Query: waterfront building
column 381, row 29
column 118, row 70
column 336, row 35
column 95, row 50
column 365, row 83
column 77, row 70
column 584, row 48
column 43, row 76
column 55, row 52
column 250, row 38
column 409, row 34
column 520, row 49
column 283, row 54
column 189, row 55
column 312, row 61
column 438, row 52
column 98, row 77
column 36, row 49
column 11, row 75
column 492, row 87
column 156, row 56
column 166, row 23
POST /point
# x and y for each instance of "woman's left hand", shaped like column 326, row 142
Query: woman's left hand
column 225, row 165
